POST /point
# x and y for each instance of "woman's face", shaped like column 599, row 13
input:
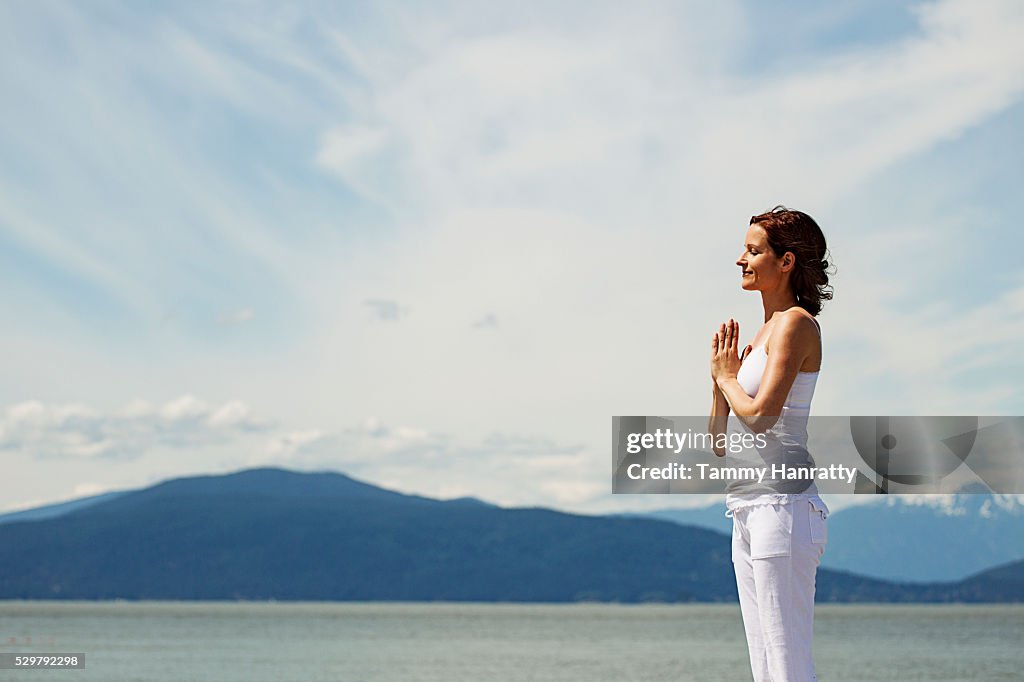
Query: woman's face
column 761, row 269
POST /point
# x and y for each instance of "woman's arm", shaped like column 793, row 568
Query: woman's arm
column 719, row 417
column 791, row 335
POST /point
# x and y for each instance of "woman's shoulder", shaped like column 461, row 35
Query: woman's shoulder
column 794, row 325
column 796, row 319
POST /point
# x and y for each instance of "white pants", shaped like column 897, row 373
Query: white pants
column 776, row 549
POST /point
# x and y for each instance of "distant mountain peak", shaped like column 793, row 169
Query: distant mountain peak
column 972, row 499
column 277, row 482
column 469, row 500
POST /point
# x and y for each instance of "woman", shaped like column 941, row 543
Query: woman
column 779, row 525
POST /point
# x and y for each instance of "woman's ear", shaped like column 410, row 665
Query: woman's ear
column 788, row 261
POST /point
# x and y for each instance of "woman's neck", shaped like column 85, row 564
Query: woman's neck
column 777, row 301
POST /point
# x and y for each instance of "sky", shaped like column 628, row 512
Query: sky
column 437, row 246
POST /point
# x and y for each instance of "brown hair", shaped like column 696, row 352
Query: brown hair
column 796, row 232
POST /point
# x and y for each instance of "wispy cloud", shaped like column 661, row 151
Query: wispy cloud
column 239, row 316
column 78, row 431
column 488, row 321
column 384, row 309
column 530, row 114
column 598, row 179
column 503, row 468
column 582, row 172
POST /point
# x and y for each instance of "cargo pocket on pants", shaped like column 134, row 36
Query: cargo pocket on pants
column 771, row 530
column 819, row 525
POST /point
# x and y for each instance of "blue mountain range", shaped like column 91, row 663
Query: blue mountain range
column 920, row 538
column 275, row 534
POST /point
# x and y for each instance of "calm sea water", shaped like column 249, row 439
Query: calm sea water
column 450, row 642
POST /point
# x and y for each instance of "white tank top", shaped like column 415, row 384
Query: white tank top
column 786, row 440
